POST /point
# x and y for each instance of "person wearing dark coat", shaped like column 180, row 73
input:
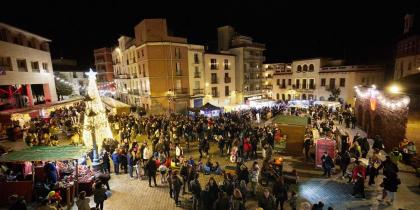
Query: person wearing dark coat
column 327, row 164
column 176, row 186
column 267, row 201
column 205, row 199
column 377, row 143
column 103, row 178
column 345, row 161
column 116, row 160
column 390, row 185
column 243, row 174
column 106, row 162
column 280, row 192
column 213, row 191
column 359, row 186
column 222, row 202
column 365, row 147
column 151, row 169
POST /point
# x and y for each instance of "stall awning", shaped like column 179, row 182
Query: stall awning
column 209, row 107
column 291, row 120
column 45, row 153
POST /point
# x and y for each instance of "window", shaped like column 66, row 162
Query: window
column 74, row 75
column 177, row 53
column 178, row 68
column 409, row 66
column 138, row 54
column 299, row 68
column 278, row 96
column 35, row 66
column 226, row 64
column 305, row 68
column 311, row 84
column 214, row 92
column 323, row 82
column 213, row 78
column 3, row 35
column 289, row 97
column 21, row 63
column 311, row 67
column 213, row 64
column 297, row 83
column 142, row 53
column 5, row 64
column 283, row 97
column 45, row 67
column 196, row 60
column 332, row 83
column 342, row 82
column 227, row 91
column 278, row 81
column 144, row 70
column 304, row 84
column 289, row 82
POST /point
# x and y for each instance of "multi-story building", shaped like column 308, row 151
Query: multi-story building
column 312, row 79
column 103, row 65
column 219, row 73
column 152, row 69
column 407, row 60
column 272, row 79
column 74, row 74
column 197, row 75
column 26, row 74
column 249, row 60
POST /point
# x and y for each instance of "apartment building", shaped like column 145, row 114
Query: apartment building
column 103, row 65
column 26, row 74
column 219, row 72
column 197, row 75
column 312, row 79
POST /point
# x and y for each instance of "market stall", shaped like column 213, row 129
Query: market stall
column 116, row 107
column 292, row 127
column 324, row 145
column 210, row 110
column 34, row 160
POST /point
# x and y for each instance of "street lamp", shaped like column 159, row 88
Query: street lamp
column 394, row 89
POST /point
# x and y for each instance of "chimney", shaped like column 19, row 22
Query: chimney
column 408, row 23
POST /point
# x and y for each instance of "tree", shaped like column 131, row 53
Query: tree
column 62, row 88
column 334, row 93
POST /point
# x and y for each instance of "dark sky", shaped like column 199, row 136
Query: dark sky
column 355, row 30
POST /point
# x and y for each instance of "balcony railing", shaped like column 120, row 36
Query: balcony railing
column 214, row 81
column 36, row 70
column 329, row 87
column 178, row 73
column 123, row 76
column 215, row 94
column 181, row 91
column 312, row 87
column 214, row 66
column 197, row 75
column 267, row 87
column 282, row 86
column 198, row 91
column 228, row 79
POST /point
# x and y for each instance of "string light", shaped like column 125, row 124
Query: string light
column 389, row 103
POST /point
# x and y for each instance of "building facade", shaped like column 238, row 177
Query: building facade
column 249, row 60
column 26, row 73
column 196, row 74
column 103, row 65
column 219, row 73
column 152, row 69
column 68, row 70
column 407, row 60
column 312, row 79
column 275, row 74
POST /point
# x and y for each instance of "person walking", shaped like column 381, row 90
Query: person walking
column 99, row 195
column 151, row 169
column 116, row 160
column 390, row 185
column 327, row 164
column 254, row 174
column 196, row 190
column 267, row 201
column 130, row 163
column 280, row 192
column 176, row 186
column 307, row 146
column 344, row 163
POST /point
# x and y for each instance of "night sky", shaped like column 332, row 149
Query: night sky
column 355, row 31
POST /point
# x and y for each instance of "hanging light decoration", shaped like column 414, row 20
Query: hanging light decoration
column 375, row 96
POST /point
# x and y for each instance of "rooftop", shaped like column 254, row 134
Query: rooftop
column 27, row 33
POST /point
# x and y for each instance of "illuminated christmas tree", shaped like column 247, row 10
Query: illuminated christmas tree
column 95, row 126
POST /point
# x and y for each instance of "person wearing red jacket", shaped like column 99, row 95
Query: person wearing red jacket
column 247, row 147
column 357, row 169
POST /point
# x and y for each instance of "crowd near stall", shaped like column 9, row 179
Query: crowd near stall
column 147, row 147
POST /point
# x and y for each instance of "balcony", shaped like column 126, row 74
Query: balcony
column 197, row 75
column 181, row 91
column 198, row 91
column 123, row 76
column 215, row 94
column 178, row 73
column 133, row 76
column 36, row 70
column 329, row 87
column 214, row 81
column 312, row 86
column 267, row 87
column 228, row 79
column 196, row 61
column 252, row 92
column 134, row 92
column 6, row 67
column 214, row 66
column 282, row 86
